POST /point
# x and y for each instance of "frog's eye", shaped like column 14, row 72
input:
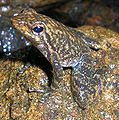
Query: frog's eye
column 38, row 28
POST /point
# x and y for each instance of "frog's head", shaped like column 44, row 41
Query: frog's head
column 37, row 27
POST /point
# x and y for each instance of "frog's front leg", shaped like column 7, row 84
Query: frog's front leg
column 57, row 74
column 57, row 70
column 53, row 58
column 83, row 85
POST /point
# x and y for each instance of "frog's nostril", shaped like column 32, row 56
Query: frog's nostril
column 19, row 12
column 22, row 11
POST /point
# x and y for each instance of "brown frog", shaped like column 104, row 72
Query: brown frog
column 64, row 47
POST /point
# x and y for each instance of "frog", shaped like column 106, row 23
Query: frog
column 63, row 47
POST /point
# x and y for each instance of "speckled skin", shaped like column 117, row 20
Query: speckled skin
column 64, row 47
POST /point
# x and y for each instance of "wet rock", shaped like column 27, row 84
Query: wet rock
column 36, row 3
column 96, row 12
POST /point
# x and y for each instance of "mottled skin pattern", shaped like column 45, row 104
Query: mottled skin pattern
column 64, row 47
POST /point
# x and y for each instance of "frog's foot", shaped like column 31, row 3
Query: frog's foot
column 23, row 68
column 57, row 80
column 44, row 93
column 54, row 85
column 83, row 84
column 44, row 98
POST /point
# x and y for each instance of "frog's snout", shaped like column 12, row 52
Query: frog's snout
column 15, row 22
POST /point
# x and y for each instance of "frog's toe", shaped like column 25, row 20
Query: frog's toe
column 44, row 98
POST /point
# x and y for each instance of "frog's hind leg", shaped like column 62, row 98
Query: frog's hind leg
column 83, row 85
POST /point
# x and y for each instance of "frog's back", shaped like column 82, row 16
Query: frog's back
column 106, row 77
